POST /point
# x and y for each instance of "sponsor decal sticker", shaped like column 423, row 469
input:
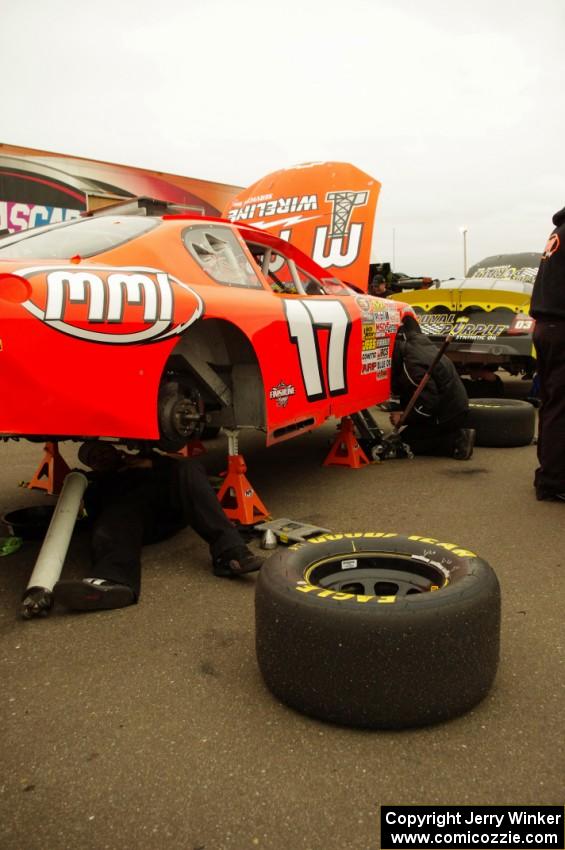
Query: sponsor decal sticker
column 383, row 359
column 525, row 274
column 281, row 393
column 116, row 306
column 440, row 324
column 15, row 216
column 266, row 207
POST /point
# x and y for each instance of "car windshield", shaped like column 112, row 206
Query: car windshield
column 84, row 237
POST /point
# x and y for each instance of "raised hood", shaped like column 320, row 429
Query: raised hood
column 326, row 209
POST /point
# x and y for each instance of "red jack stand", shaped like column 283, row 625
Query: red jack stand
column 236, row 495
column 346, row 450
column 51, row 472
column 193, row 448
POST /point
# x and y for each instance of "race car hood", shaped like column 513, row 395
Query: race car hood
column 326, row 209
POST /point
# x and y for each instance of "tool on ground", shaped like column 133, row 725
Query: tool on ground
column 291, row 531
column 269, row 540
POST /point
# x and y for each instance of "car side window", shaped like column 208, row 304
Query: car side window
column 333, row 286
column 276, row 268
column 279, row 275
column 310, row 284
column 284, row 276
column 218, row 252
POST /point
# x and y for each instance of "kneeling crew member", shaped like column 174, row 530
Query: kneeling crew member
column 436, row 423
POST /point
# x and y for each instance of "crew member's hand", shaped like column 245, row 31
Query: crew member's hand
column 395, row 418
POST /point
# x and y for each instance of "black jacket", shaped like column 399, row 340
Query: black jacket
column 548, row 297
column 444, row 396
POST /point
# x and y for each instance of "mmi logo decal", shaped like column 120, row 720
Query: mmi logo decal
column 114, row 306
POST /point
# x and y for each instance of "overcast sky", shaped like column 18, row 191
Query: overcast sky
column 456, row 107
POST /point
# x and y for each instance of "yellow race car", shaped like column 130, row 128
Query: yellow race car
column 487, row 312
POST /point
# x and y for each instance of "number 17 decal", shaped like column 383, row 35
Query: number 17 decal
column 305, row 320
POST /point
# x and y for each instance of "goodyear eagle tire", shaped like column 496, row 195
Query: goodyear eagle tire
column 502, row 422
column 378, row 630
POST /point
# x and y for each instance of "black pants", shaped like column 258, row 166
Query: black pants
column 549, row 341
column 147, row 505
column 430, row 438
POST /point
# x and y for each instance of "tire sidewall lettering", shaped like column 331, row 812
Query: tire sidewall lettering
column 455, row 563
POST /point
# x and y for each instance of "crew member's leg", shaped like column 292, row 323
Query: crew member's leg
column 449, row 439
column 549, row 340
column 201, row 509
column 115, row 574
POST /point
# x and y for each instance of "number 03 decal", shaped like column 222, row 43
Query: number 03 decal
column 305, row 320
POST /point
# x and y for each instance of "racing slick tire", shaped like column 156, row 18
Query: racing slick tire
column 378, row 630
column 502, row 422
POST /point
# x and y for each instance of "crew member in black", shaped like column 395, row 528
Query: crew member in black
column 548, row 309
column 436, row 423
column 135, row 499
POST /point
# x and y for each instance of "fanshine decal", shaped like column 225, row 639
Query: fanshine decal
column 116, row 306
column 281, row 393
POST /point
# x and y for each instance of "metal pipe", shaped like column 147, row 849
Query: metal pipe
column 38, row 597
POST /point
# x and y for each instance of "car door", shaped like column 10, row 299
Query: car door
column 328, row 352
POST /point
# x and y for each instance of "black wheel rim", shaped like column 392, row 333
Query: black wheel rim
column 376, row 574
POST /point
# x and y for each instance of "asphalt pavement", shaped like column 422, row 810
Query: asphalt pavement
column 150, row 727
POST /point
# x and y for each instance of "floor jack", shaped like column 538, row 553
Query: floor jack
column 376, row 444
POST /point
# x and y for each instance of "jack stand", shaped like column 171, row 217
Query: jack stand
column 346, row 450
column 51, row 472
column 236, row 495
column 193, row 448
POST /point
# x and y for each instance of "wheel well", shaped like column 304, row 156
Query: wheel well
column 220, row 361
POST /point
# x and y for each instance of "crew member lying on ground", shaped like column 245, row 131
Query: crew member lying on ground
column 133, row 500
column 435, row 425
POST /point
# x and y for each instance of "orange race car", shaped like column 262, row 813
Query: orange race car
column 144, row 327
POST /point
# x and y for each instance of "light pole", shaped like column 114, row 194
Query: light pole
column 463, row 231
